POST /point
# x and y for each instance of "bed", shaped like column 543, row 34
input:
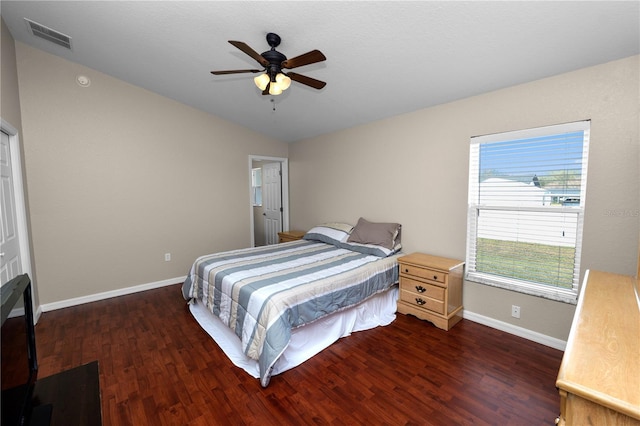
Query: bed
column 271, row 308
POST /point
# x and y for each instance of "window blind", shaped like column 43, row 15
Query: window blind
column 526, row 203
column 256, row 186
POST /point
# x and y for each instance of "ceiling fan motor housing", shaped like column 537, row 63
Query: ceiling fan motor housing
column 275, row 59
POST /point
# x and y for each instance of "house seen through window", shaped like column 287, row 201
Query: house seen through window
column 526, row 207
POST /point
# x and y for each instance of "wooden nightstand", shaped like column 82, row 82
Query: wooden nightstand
column 431, row 288
column 286, row 236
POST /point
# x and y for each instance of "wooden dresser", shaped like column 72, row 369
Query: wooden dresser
column 599, row 378
column 431, row 288
column 287, row 236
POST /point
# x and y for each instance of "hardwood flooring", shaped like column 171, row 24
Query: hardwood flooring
column 158, row 367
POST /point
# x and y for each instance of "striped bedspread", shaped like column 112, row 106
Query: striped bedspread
column 263, row 293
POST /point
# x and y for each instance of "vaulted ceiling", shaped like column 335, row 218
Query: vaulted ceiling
column 383, row 58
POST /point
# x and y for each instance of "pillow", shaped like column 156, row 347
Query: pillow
column 386, row 235
column 330, row 233
column 339, row 226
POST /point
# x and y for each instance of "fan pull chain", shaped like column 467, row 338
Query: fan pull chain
column 273, row 103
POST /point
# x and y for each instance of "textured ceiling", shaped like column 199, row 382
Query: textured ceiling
column 383, row 58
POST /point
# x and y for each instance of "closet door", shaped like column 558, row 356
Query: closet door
column 10, row 263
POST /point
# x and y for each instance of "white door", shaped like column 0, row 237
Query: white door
column 272, row 201
column 10, row 262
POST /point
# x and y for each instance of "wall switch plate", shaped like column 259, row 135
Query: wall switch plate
column 515, row 311
column 167, row 257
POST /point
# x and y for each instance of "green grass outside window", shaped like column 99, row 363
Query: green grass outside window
column 539, row 263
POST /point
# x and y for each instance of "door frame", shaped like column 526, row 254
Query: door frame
column 284, row 183
column 21, row 209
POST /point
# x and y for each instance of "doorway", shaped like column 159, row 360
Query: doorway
column 16, row 254
column 269, row 198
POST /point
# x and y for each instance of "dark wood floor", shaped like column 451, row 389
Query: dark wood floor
column 158, row 367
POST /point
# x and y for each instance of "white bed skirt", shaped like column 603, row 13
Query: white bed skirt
column 306, row 341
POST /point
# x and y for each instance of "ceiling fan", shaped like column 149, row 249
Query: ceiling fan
column 274, row 80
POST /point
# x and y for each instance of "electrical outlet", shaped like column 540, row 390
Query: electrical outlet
column 167, row 257
column 515, row 311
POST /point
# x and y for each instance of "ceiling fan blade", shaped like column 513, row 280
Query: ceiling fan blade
column 249, row 51
column 233, row 72
column 312, row 82
column 304, row 59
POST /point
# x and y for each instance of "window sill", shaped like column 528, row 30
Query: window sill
column 538, row 290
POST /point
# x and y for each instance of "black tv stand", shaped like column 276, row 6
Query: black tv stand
column 41, row 415
column 11, row 403
column 69, row 398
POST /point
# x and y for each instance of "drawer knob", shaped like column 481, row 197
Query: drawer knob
column 420, row 301
column 406, row 270
column 420, row 289
column 435, row 277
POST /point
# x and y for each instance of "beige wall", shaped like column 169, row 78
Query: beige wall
column 413, row 169
column 118, row 176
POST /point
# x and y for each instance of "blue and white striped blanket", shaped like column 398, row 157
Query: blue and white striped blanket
column 263, row 293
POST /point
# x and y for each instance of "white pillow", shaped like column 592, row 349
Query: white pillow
column 331, row 233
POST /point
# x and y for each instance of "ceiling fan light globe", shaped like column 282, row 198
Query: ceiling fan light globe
column 275, row 88
column 261, row 81
column 283, row 81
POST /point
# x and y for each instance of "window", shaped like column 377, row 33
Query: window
column 256, row 186
column 526, row 206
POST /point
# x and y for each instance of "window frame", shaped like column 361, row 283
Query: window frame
column 562, row 294
column 255, row 188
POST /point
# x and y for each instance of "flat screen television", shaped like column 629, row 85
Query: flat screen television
column 19, row 360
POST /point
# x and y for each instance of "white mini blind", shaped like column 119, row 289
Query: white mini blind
column 526, row 203
column 256, row 186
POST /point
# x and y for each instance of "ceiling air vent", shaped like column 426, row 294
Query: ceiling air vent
column 48, row 34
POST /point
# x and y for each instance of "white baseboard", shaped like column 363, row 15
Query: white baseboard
column 534, row 336
column 108, row 294
column 18, row 312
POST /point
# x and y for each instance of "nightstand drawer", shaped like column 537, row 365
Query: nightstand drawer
column 422, row 301
column 422, row 289
column 425, row 273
